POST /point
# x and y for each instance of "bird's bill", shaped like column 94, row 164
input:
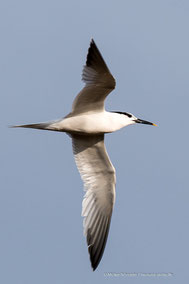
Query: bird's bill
column 138, row 120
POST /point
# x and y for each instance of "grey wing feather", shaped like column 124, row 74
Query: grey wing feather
column 98, row 175
column 98, row 83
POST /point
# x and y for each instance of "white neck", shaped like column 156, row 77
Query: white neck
column 118, row 121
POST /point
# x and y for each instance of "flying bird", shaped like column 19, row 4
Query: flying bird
column 86, row 124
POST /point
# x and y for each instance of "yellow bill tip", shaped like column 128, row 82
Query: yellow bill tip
column 154, row 124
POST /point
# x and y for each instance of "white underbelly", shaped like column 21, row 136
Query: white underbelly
column 90, row 123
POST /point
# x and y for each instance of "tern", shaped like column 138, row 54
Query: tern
column 86, row 124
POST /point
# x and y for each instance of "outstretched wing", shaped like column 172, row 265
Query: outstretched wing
column 98, row 83
column 98, row 175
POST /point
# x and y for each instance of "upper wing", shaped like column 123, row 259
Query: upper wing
column 99, row 179
column 98, row 83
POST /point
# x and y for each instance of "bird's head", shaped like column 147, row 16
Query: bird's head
column 131, row 119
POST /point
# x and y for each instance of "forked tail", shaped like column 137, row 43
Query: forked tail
column 42, row 126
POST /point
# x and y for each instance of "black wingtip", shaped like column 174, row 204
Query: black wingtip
column 93, row 267
column 97, row 253
column 91, row 53
column 95, row 59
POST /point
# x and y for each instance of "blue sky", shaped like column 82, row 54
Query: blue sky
column 43, row 48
